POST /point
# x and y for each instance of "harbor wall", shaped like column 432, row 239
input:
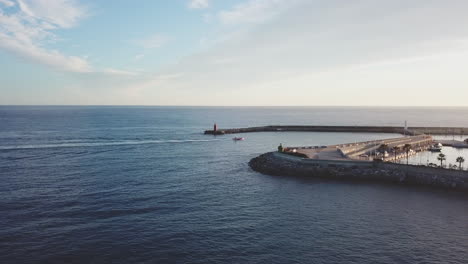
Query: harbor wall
column 369, row 129
column 275, row 163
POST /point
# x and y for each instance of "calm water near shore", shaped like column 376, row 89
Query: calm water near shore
column 143, row 184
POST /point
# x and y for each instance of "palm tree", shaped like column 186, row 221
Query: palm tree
column 395, row 151
column 407, row 148
column 441, row 157
column 460, row 160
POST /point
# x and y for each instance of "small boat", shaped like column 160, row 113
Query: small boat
column 238, row 138
column 436, row 148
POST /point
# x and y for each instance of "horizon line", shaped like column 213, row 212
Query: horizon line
column 155, row 105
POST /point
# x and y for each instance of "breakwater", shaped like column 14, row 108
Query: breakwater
column 454, row 143
column 370, row 129
column 275, row 163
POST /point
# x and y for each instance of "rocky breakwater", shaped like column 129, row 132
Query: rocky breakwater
column 274, row 163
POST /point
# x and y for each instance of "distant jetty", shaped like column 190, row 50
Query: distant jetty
column 370, row 129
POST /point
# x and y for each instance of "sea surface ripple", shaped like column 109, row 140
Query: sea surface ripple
column 144, row 185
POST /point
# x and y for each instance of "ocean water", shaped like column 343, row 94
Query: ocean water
column 144, row 185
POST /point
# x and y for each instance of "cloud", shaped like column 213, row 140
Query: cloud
column 294, row 53
column 55, row 13
column 37, row 54
column 7, row 3
column 119, row 72
column 27, row 31
column 254, row 11
column 152, row 42
column 198, row 4
column 139, row 56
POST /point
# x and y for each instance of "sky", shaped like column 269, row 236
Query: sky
column 234, row 52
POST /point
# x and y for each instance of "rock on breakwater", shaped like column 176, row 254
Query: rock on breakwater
column 274, row 163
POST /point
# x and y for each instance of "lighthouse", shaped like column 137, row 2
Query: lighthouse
column 406, row 128
column 215, row 128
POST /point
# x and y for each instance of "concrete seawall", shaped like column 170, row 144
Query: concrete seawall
column 275, row 163
column 370, row 129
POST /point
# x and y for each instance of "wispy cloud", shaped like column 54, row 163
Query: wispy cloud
column 198, row 4
column 40, row 55
column 139, row 56
column 119, row 72
column 54, row 13
column 254, row 11
column 152, row 42
column 26, row 31
column 7, row 3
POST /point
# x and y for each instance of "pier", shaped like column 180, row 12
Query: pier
column 366, row 151
column 376, row 160
column 448, row 131
column 363, row 161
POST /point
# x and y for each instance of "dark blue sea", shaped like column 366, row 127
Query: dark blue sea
column 144, row 185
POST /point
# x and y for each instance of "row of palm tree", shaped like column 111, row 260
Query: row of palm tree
column 442, row 157
column 407, row 148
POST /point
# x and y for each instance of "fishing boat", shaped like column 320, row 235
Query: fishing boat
column 238, row 138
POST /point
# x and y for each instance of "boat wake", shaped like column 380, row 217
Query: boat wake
column 100, row 144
